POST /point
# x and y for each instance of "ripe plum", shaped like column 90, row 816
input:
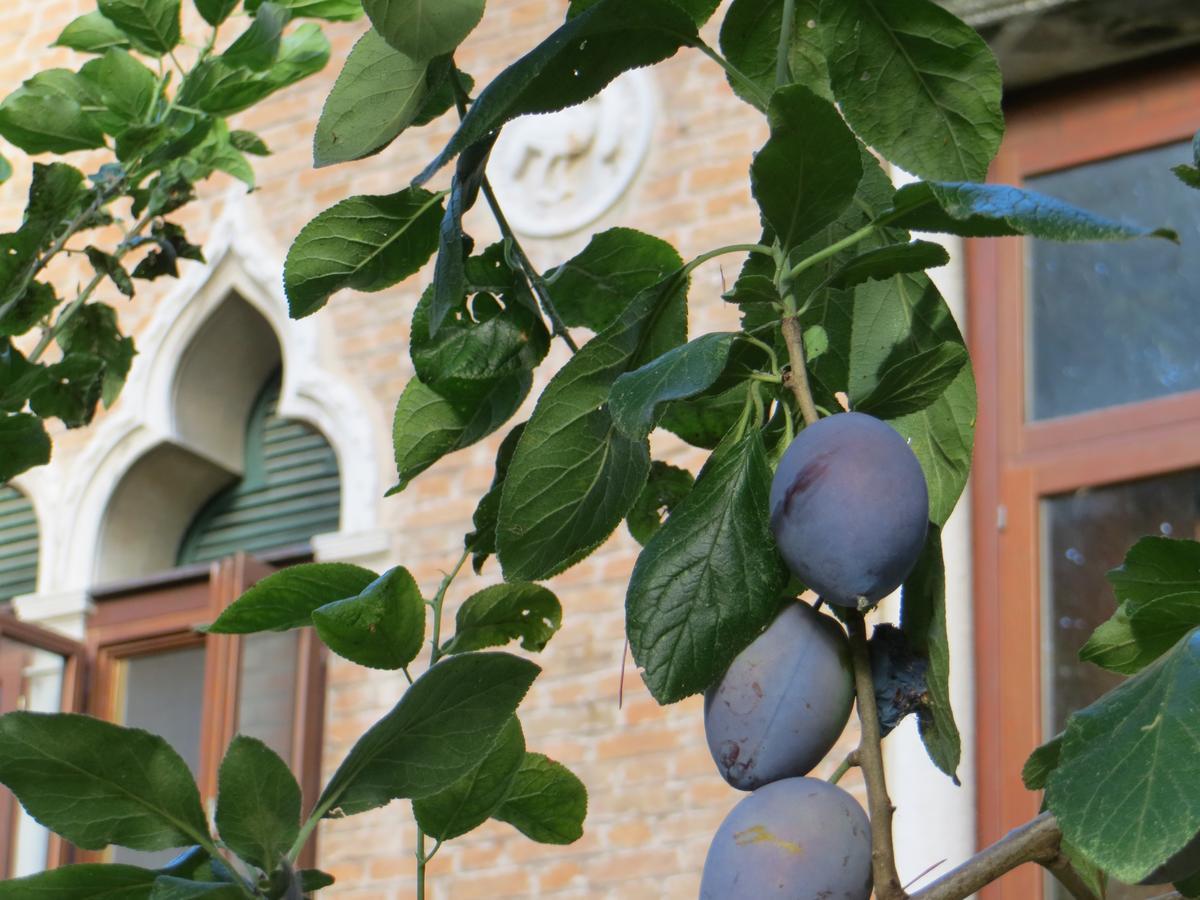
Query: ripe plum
column 783, row 702
column 850, row 509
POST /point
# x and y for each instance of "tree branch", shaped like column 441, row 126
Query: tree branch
column 797, row 377
column 870, row 758
column 1060, row 867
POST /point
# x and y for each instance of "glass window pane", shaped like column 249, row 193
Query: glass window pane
column 164, row 694
column 267, row 690
column 1115, row 323
column 30, row 679
column 1085, row 534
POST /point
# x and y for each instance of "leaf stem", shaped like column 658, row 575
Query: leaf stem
column 783, row 72
column 850, row 762
column 870, row 755
column 721, row 251
column 832, row 249
column 735, row 74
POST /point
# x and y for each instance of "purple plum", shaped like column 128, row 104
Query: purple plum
column 796, row 839
column 850, row 509
column 783, row 702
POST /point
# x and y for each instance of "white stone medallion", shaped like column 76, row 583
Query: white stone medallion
column 558, row 172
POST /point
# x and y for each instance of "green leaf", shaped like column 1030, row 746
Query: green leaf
column 427, row 426
column 257, row 47
column 71, row 390
column 152, row 25
column 637, row 396
column 329, row 10
column 168, row 887
column 97, row 784
column 38, row 301
column 423, row 29
column 5, row 169
column 750, row 41
column 1142, row 736
column 700, row 10
column 91, row 33
column 315, row 879
column 249, row 142
column 506, row 612
column 383, row 627
column 482, row 541
column 703, row 421
column 45, row 115
column 366, row 243
column 258, row 803
column 1041, row 763
column 24, row 444
column 573, row 476
column 217, row 153
column 665, row 489
column 1158, row 592
column 894, row 259
column 441, row 729
column 126, row 88
column 916, row 83
column 440, row 92
column 214, row 12
column 546, row 802
column 708, row 581
column 286, row 599
column 90, row 881
column 572, row 65
column 378, row 94
column 1189, row 175
column 1189, row 887
column 472, row 800
column 807, row 173
column 591, row 289
column 923, row 620
column 999, row 210
column 914, row 382
column 107, row 265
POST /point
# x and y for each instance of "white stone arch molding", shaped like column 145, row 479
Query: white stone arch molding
column 245, row 263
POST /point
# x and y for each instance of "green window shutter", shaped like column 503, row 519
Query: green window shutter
column 290, row 490
column 18, row 544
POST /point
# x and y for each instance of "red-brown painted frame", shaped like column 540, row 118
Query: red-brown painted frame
column 1017, row 463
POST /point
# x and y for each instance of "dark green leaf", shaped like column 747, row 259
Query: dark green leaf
column 482, row 541
column 168, row 887
column 700, row 10
column 427, row 426
column 916, row 83
column 127, row 88
column 91, row 881
column 45, row 115
column 32, row 307
column 1158, row 592
column 807, row 173
column 91, row 33
column 315, row 879
column 97, row 784
column 923, row 620
column 704, row 421
column 217, row 153
column 894, row 259
column 708, row 582
column 257, row 47
column 383, row 627
column 750, row 41
column 1189, row 175
column 23, row 444
column 472, row 800
column 57, row 197
column 258, row 803
column 366, row 243
column 441, row 729
column 1142, row 737
column 665, row 489
column 424, row 29
column 329, row 10
column 71, row 390
column 546, row 802
column 914, row 382
column 286, row 599
column 574, row 477
column 378, row 94
column 1041, row 763
column 998, row 210
column 685, row 371
column 572, row 65
column 106, row 264
column 1189, row 887
column 440, row 93
column 152, row 25
column 591, row 290
column 172, row 246
column 506, row 612
column 249, row 142
column 215, row 12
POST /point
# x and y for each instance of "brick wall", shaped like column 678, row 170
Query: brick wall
column 655, row 796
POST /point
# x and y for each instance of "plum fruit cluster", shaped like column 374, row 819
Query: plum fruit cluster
column 850, row 509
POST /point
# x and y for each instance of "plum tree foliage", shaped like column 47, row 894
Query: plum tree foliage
column 836, row 311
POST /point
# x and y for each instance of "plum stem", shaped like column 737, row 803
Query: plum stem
column 870, row 756
column 850, row 762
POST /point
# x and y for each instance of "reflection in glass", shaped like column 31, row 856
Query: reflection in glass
column 1115, row 323
column 1085, row 534
column 267, row 693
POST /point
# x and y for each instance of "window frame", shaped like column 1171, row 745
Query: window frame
column 1018, row 462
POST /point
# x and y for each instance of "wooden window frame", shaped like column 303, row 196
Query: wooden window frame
column 1017, row 463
